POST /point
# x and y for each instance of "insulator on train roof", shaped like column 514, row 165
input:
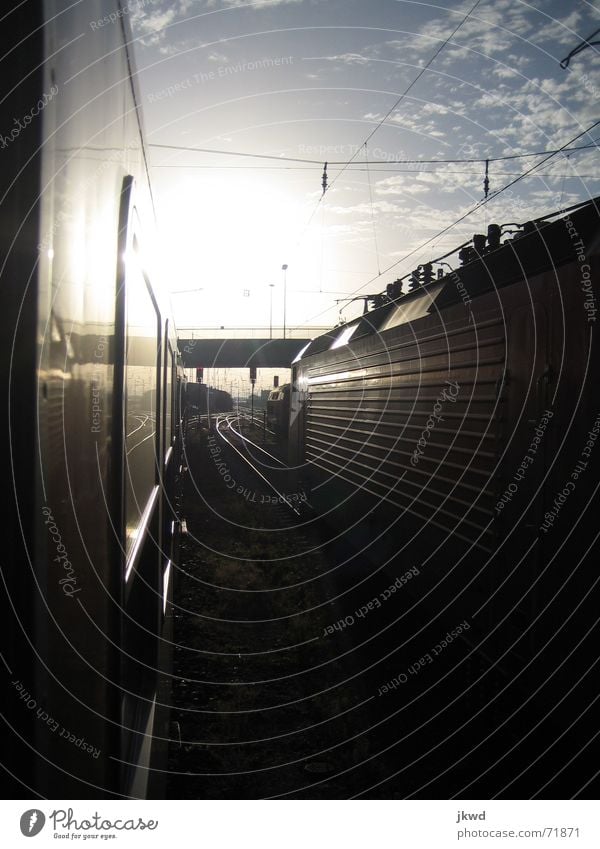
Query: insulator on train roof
column 527, row 228
column 394, row 290
column 494, row 233
column 479, row 241
column 415, row 280
column 427, row 273
column 466, row 255
column 378, row 301
column 440, row 273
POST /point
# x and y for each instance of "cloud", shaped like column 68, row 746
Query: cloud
column 149, row 25
column 220, row 58
column 199, row 5
column 497, row 89
column 342, row 58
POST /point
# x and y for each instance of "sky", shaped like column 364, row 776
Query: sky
column 323, row 80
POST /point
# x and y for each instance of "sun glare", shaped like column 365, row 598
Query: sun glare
column 226, row 239
column 227, row 235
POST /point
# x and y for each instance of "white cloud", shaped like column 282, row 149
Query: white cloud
column 496, row 90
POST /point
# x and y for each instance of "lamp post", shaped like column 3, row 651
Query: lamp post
column 271, row 287
column 284, row 268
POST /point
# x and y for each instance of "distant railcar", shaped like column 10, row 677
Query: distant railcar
column 203, row 399
column 278, row 409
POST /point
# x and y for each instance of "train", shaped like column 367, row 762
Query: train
column 278, row 410
column 92, row 415
column 457, row 424
column 202, row 399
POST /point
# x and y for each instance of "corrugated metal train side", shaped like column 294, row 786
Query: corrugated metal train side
column 450, row 422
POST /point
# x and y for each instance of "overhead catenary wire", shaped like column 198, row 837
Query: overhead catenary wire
column 408, row 88
column 482, row 203
column 587, row 42
column 350, row 162
column 466, row 215
column 380, row 123
column 358, row 166
column 572, row 175
column 327, row 187
column 353, row 165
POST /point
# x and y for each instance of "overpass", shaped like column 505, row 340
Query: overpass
column 240, row 347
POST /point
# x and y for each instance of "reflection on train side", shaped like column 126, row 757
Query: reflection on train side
column 142, row 345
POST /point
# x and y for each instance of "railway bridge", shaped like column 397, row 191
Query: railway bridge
column 242, row 347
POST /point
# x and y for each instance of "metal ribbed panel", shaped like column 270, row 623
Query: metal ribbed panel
column 366, row 414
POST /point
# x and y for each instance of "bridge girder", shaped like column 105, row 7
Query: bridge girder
column 240, row 353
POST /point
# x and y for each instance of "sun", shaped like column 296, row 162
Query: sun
column 226, row 237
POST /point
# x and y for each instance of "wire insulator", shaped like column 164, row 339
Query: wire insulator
column 324, row 179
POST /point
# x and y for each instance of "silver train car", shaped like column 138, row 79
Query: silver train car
column 91, row 414
column 458, row 425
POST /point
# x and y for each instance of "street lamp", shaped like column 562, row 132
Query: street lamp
column 284, row 268
column 271, row 287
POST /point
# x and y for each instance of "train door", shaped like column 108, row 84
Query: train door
column 137, row 442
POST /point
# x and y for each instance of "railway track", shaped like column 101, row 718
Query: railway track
column 270, row 469
column 260, row 697
column 295, row 678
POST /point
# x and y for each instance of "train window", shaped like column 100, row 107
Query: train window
column 168, row 390
column 344, row 337
column 410, row 309
column 301, row 353
column 142, row 341
column 174, row 404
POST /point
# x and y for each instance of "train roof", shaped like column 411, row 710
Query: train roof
column 546, row 242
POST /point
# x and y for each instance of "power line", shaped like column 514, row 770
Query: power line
column 350, row 162
column 572, row 174
column 587, row 42
column 483, row 203
column 386, row 116
column 408, row 88
column 477, row 206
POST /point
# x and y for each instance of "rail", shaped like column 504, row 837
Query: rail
column 224, row 423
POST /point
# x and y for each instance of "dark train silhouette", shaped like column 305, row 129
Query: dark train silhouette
column 462, row 417
column 278, row 409
column 458, row 423
column 202, row 399
column 91, row 389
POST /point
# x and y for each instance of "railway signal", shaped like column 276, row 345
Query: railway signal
column 252, row 381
